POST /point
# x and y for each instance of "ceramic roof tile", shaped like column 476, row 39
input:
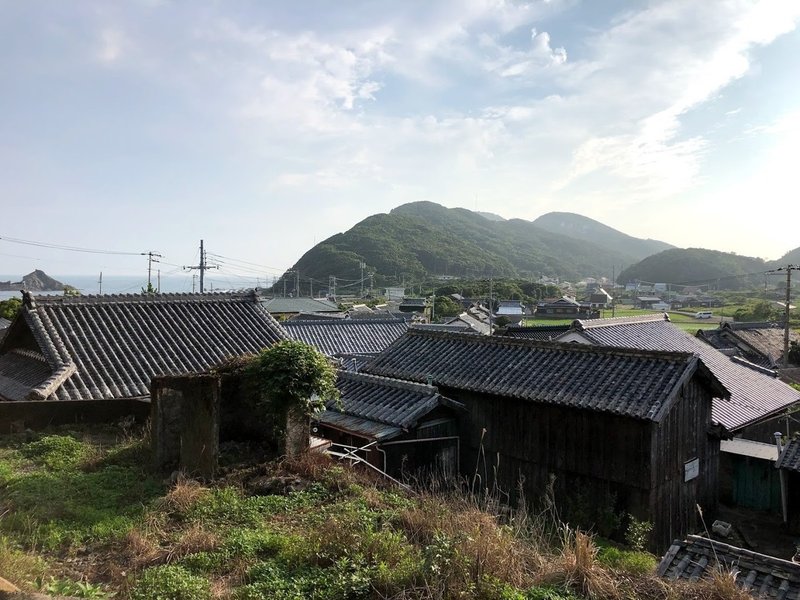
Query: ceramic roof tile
column 379, row 407
column 761, row 575
column 790, row 457
column 631, row 383
column 755, row 394
column 99, row 347
column 348, row 336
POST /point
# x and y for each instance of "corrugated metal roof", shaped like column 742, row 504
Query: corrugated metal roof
column 750, row 448
column 754, row 394
column 101, row 347
column 761, row 575
column 348, row 336
column 619, row 381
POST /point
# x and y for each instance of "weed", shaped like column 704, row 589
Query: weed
column 57, row 452
column 629, row 561
column 170, row 582
column 578, row 569
column 637, row 533
column 21, row 567
column 75, row 589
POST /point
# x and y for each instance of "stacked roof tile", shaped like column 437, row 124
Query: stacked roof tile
column 99, row 347
column 631, row 383
column 299, row 305
column 755, row 394
column 378, row 407
column 761, row 575
column 789, row 458
column 347, row 337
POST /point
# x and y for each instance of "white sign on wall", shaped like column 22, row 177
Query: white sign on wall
column 691, row 469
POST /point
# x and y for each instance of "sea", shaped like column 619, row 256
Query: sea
column 134, row 284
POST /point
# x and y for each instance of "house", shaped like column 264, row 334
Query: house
column 788, row 464
column 396, row 426
column 394, row 293
column 628, row 430
column 511, row 310
column 647, row 302
column 414, row 305
column 88, row 348
column 759, row 343
column 476, row 318
column 347, row 338
column 762, row 576
column 600, row 298
column 759, row 402
column 558, row 308
column 284, row 308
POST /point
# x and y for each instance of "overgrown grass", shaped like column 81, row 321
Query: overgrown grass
column 89, row 519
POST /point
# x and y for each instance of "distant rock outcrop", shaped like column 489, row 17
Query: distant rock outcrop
column 38, row 281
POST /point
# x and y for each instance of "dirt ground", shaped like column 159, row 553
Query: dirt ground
column 758, row 531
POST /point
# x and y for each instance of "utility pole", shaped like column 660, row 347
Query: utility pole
column 491, row 305
column 613, row 290
column 150, row 261
column 297, row 282
column 361, row 265
column 310, row 287
column 202, row 267
column 331, row 286
column 100, row 283
column 788, row 269
column 158, row 288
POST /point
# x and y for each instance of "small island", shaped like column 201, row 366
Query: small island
column 37, row 281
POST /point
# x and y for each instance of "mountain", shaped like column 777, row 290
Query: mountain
column 696, row 266
column 37, row 281
column 584, row 228
column 790, row 258
column 490, row 216
column 422, row 238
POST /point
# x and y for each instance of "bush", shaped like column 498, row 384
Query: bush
column 170, row 582
column 57, row 452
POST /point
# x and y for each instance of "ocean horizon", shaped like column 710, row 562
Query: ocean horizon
column 134, row 284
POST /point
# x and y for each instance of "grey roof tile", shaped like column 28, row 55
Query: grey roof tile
column 298, row 305
column 538, row 332
column 347, row 336
column 790, row 457
column 763, row 576
column 99, row 347
column 379, row 407
column 631, row 383
column 755, row 395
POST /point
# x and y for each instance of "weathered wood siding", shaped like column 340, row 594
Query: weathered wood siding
column 681, row 437
column 590, row 453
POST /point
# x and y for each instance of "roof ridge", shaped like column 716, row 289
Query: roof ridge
column 674, row 356
column 337, row 322
column 611, row 321
column 142, row 298
column 390, row 381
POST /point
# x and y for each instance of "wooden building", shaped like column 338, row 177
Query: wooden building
column 789, row 466
column 628, row 428
column 399, row 427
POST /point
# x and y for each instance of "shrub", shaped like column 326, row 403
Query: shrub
column 56, row 452
column 170, row 582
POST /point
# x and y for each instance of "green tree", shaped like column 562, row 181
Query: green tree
column 9, row 308
column 447, row 307
column 293, row 375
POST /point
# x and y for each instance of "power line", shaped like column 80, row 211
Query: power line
column 68, row 248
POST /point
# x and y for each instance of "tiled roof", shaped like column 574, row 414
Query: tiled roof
column 761, row 575
column 542, row 333
column 4, row 323
column 99, row 347
column 347, row 336
column 631, row 383
column 379, row 407
column 790, row 457
column 298, row 305
column 765, row 339
column 755, row 395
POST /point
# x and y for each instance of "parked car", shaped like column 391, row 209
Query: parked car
column 703, row 314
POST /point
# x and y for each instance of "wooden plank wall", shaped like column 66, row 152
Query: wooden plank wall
column 681, row 437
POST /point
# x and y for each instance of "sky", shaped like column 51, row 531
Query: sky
column 266, row 127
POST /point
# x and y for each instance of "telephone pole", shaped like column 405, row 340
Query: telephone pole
column 202, row 267
column 361, row 265
column 100, row 283
column 151, row 258
column 786, row 310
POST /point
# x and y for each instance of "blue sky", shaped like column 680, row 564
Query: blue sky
column 264, row 127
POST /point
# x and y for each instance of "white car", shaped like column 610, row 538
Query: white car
column 703, row 314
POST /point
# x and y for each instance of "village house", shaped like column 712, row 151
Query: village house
column 758, row 406
column 562, row 308
column 788, row 464
column 101, row 348
column 542, row 333
column 647, row 302
column 513, row 310
column 599, row 298
column 759, row 343
column 399, row 427
column 610, row 424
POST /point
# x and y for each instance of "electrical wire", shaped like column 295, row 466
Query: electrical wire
column 68, row 248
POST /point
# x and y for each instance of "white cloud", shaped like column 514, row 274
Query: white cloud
column 111, row 44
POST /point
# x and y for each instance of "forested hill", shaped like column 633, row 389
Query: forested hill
column 696, row 266
column 422, row 238
column 584, row 228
